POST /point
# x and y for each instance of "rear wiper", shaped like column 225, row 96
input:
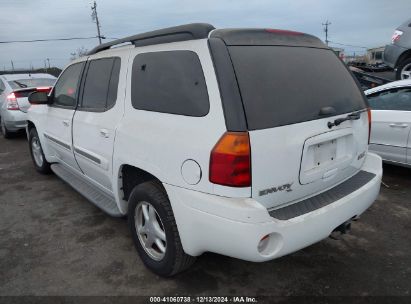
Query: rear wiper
column 337, row 122
column 21, row 85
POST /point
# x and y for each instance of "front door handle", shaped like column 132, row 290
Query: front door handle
column 66, row 123
column 400, row 125
column 104, row 133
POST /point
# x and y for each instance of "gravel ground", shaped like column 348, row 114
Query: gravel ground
column 54, row 242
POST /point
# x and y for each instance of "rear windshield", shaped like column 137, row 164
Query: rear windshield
column 283, row 85
column 31, row 83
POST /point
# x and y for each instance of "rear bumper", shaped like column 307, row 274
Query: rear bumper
column 14, row 120
column 234, row 227
column 391, row 54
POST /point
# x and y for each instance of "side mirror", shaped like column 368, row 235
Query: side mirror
column 38, row 98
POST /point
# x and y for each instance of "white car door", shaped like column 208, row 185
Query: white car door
column 58, row 127
column 391, row 123
column 99, row 112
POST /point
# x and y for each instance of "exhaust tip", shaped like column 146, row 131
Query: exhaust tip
column 344, row 228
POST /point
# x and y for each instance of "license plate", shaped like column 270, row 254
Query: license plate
column 325, row 153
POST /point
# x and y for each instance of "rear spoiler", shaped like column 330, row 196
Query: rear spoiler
column 40, row 89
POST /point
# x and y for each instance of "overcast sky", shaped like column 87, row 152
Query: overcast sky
column 367, row 23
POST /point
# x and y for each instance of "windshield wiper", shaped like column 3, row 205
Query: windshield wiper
column 338, row 121
column 21, row 85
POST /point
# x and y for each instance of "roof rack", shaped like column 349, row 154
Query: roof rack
column 166, row 35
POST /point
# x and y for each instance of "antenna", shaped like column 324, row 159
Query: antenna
column 326, row 24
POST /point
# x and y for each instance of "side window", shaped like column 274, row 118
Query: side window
column 169, row 82
column 395, row 99
column 65, row 90
column 100, row 86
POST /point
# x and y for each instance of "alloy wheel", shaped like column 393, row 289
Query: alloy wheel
column 150, row 230
column 37, row 152
column 406, row 72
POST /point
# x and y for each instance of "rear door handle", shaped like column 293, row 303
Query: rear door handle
column 104, row 133
column 395, row 125
column 66, row 123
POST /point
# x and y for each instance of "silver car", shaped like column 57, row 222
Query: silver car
column 398, row 54
column 14, row 90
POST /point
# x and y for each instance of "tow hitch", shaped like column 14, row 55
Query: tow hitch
column 340, row 230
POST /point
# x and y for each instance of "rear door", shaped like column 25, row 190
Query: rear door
column 391, row 125
column 96, row 118
column 291, row 94
column 60, row 115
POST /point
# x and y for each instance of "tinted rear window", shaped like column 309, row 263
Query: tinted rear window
column 31, row 83
column 169, row 82
column 287, row 85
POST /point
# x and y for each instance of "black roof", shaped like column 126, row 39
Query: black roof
column 170, row 34
column 229, row 36
column 266, row 37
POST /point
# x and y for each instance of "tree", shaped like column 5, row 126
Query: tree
column 80, row 52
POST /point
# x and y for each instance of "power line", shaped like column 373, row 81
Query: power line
column 350, row 45
column 52, row 39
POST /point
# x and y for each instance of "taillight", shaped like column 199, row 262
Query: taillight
column 230, row 160
column 396, row 36
column 12, row 104
column 369, row 124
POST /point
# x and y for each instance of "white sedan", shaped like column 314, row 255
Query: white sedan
column 391, row 121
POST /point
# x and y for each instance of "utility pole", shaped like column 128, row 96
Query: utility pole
column 94, row 17
column 48, row 60
column 326, row 24
column 12, row 65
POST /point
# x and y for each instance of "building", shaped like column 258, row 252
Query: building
column 375, row 55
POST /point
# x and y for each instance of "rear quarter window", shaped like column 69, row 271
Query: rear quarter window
column 169, row 82
column 282, row 85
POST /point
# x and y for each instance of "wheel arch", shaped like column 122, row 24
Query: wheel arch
column 405, row 55
column 30, row 125
column 128, row 177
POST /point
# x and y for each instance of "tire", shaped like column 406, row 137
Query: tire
column 37, row 154
column 173, row 260
column 405, row 65
column 6, row 133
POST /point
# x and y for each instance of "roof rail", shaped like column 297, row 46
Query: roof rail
column 166, row 35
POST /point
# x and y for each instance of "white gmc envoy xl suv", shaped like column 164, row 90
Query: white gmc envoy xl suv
column 251, row 143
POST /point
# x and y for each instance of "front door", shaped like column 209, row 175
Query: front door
column 96, row 118
column 58, row 129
